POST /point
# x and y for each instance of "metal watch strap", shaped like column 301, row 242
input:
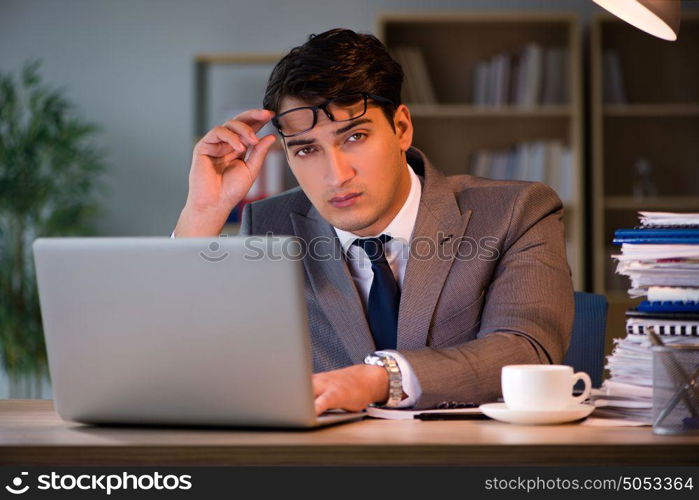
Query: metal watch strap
column 395, row 382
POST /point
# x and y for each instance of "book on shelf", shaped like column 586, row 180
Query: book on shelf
column 531, row 72
column 270, row 181
column 409, row 92
column 555, row 84
column 501, row 70
column 532, row 76
column 418, row 85
column 549, row 162
column 480, row 83
column 612, row 79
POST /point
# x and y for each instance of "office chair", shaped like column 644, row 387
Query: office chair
column 586, row 350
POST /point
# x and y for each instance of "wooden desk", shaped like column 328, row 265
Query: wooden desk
column 32, row 434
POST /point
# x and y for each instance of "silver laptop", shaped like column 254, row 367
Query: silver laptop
column 189, row 331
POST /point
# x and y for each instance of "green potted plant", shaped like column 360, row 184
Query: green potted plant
column 49, row 175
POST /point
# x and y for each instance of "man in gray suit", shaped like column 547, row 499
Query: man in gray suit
column 419, row 287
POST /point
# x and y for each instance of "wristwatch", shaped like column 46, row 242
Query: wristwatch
column 395, row 381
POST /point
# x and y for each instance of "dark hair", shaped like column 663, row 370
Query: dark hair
column 335, row 63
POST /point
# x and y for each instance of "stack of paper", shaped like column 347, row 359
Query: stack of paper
column 675, row 219
column 661, row 257
column 628, row 392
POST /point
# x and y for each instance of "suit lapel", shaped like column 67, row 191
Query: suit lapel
column 332, row 284
column 439, row 225
column 433, row 245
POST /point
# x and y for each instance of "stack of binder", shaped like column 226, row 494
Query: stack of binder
column 661, row 258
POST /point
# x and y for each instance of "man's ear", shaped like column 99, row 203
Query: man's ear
column 404, row 127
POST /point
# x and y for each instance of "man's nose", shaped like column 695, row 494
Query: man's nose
column 339, row 170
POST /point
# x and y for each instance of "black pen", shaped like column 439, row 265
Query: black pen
column 450, row 416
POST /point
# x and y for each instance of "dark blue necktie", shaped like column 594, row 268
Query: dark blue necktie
column 384, row 295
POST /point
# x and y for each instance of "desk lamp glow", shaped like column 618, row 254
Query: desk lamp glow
column 660, row 18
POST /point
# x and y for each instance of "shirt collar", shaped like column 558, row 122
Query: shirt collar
column 402, row 225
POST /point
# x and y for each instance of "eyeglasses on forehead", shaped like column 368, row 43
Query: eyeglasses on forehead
column 339, row 109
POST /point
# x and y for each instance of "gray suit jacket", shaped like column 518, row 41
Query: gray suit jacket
column 487, row 283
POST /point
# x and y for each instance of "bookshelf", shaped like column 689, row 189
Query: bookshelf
column 454, row 125
column 254, row 66
column 656, row 119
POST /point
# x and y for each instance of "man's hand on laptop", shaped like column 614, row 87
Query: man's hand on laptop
column 220, row 176
column 352, row 388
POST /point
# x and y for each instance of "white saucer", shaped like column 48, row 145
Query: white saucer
column 499, row 411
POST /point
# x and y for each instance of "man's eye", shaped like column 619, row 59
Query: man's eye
column 356, row 137
column 304, row 151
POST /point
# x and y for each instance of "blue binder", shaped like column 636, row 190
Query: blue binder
column 668, row 307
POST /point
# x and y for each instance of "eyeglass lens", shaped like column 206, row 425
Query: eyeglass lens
column 341, row 109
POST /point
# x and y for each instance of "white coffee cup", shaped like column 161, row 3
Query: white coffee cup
column 542, row 387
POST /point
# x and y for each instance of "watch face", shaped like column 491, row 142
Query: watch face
column 373, row 359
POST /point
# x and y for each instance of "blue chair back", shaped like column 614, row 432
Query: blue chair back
column 586, row 350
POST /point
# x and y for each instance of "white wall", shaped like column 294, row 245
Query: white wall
column 127, row 64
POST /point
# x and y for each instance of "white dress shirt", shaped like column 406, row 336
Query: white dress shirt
column 397, row 251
